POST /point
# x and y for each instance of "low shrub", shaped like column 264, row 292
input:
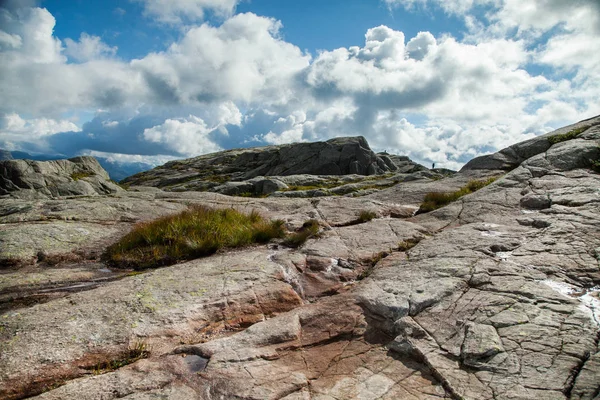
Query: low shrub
column 199, row 231
column 309, row 229
column 435, row 200
column 572, row 134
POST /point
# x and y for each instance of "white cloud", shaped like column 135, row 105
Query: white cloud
column 242, row 60
column 10, row 41
column 130, row 158
column 178, row 11
column 88, row 48
column 190, row 136
column 433, row 98
column 14, row 129
column 30, row 35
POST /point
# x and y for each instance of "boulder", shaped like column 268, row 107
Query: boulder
column 79, row 176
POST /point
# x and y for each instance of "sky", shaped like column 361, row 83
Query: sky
column 154, row 80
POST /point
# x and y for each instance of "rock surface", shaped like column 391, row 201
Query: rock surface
column 79, row 176
column 494, row 296
column 211, row 172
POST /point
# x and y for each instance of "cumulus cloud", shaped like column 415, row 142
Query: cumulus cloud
column 242, row 60
column 178, row 11
column 88, row 48
column 15, row 130
column 190, row 137
column 436, row 99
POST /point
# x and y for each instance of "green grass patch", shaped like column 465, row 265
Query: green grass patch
column 572, row 134
column 595, row 165
column 135, row 352
column 197, row 232
column 216, row 178
column 435, row 200
column 80, row 175
column 366, row 216
column 309, row 229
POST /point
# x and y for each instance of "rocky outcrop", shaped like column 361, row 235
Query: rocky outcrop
column 512, row 156
column 79, row 176
column 339, row 156
column 493, row 297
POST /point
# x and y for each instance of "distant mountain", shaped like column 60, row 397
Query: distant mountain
column 5, row 155
column 116, row 170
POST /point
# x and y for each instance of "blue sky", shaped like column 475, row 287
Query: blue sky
column 153, row 80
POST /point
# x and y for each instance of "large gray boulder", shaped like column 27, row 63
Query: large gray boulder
column 79, row 176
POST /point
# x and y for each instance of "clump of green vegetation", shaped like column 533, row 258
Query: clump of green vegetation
column 435, row 200
column 135, row 352
column 216, row 178
column 572, row 134
column 252, row 194
column 371, row 263
column 199, row 231
column 80, row 175
column 309, row 229
column 366, row 216
column 596, row 165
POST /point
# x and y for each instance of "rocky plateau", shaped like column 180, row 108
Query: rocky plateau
column 493, row 296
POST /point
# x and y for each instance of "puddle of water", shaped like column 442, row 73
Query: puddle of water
column 488, row 225
column 504, row 255
column 589, row 298
column 195, row 363
column 491, row 233
column 76, row 286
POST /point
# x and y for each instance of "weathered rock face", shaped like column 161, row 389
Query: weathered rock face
column 493, row 297
column 512, row 156
column 73, row 177
column 339, row 156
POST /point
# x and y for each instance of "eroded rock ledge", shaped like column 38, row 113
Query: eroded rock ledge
column 496, row 299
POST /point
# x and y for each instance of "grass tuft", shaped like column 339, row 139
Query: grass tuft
column 408, row 244
column 135, row 352
column 199, row 231
column 309, row 229
column 435, row 200
column 572, row 134
column 80, row 175
column 371, row 263
column 366, row 216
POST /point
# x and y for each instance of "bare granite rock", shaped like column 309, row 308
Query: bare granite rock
column 79, row 176
column 232, row 171
column 495, row 296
